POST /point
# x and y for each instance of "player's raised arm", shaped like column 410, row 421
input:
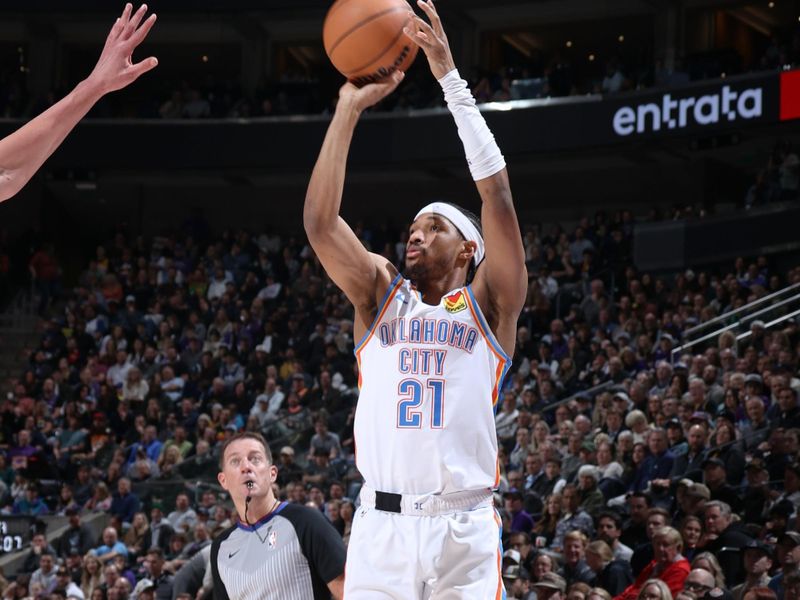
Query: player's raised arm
column 502, row 279
column 344, row 257
column 504, row 273
column 24, row 151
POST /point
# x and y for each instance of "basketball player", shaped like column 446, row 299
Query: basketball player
column 24, row 151
column 435, row 344
column 277, row 551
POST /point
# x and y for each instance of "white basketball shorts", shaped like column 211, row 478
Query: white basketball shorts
column 435, row 548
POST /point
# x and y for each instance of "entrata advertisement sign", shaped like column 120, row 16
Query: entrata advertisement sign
column 680, row 113
column 706, row 108
column 726, row 104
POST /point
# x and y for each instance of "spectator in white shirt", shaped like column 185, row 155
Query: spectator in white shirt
column 171, row 385
column 183, row 518
column 216, row 287
column 45, row 575
column 268, row 403
column 118, row 371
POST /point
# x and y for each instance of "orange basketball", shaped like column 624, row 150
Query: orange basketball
column 365, row 41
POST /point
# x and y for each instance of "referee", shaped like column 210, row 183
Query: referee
column 277, row 550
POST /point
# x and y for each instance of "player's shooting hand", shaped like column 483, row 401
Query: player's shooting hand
column 432, row 39
column 361, row 98
column 115, row 69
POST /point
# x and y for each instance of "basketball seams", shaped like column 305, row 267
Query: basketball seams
column 363, row 22
column 377, row 58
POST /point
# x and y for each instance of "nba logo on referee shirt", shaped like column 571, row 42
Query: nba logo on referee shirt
column 272, row 539
column 455, row 302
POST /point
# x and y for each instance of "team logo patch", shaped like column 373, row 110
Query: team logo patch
column 455, row 302
column 273, row 539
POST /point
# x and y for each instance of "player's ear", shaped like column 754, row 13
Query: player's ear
column 468, row 250
column 273, row 474
column 221, row 479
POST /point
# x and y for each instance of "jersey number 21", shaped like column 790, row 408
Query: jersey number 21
column 412, row 398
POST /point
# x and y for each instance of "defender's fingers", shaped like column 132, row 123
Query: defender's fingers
column 130, row 28
column 141, row 33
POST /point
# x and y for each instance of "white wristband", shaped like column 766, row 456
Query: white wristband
column 483, row 155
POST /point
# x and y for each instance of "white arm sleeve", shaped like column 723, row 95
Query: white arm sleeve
column 483, row 155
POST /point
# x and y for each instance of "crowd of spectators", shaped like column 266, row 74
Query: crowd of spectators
column 546, row 73
column 568, row 73
column 622, row 469
column 554, row 74
column 778, row 180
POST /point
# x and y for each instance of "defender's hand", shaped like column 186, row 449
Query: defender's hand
column 115, row 69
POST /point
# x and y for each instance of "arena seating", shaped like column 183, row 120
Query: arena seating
column 160, row 350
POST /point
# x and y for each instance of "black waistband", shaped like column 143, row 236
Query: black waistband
column 388, row 502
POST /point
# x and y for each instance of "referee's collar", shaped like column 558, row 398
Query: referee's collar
column 265, row 519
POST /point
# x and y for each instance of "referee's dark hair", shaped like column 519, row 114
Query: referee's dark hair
column 244, row 435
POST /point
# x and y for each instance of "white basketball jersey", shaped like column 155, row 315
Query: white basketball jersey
column 429, row 378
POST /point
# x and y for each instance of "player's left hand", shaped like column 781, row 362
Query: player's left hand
column 115, row 69
column 432, row 39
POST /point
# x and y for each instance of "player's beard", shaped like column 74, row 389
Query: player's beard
column 419, row 270
column 416, row 272
column 425, row 269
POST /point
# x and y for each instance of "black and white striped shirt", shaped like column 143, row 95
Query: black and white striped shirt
column 290, row 554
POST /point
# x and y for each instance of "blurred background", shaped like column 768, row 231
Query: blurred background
column 652, row 150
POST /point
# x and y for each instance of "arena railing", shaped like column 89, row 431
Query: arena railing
column 742, row 309
column 792, row 315
column 749, row 317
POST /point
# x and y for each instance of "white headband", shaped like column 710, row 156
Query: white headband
column 462, row 223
